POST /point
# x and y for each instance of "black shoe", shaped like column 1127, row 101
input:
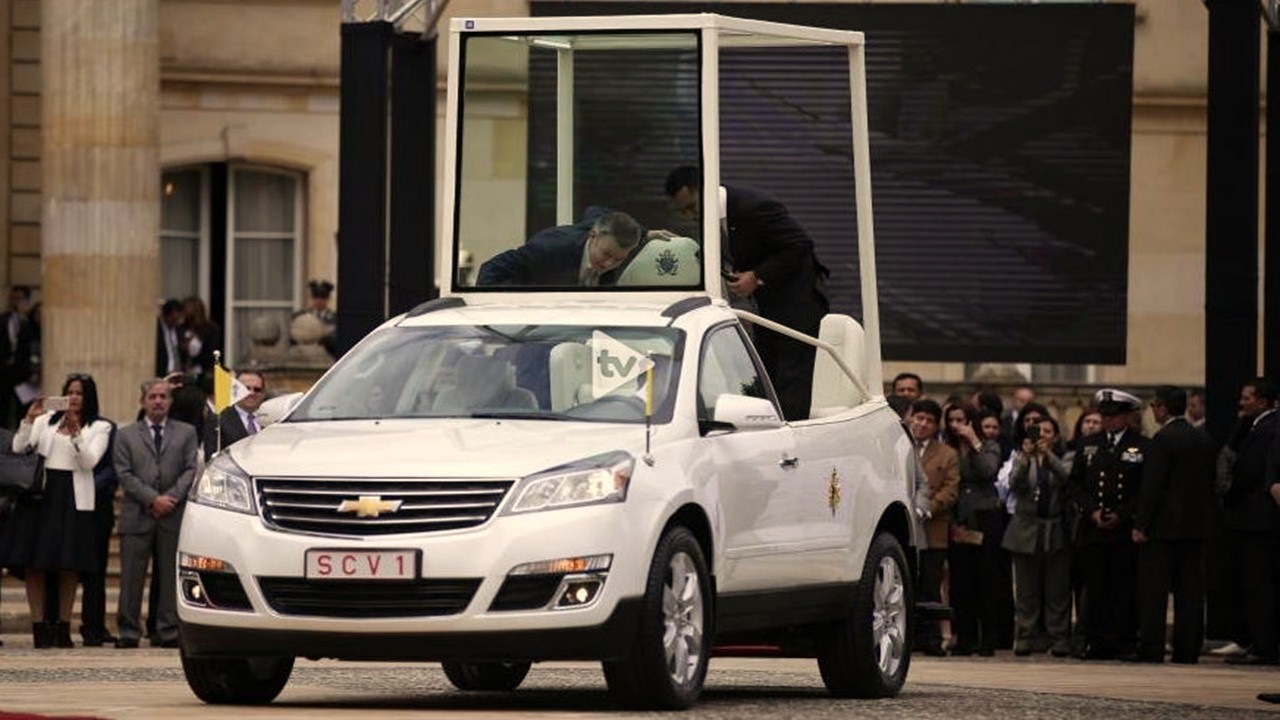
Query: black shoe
column 1269, row 697
column 1100, row 653
column 933, row 651
column 1021, row 651
column 62, row 635
column 41, row 635
column 1251, row 659
column 169, row 643
column 962, row 651
column 1141, row 658
column 986, row 652
column 126, row 643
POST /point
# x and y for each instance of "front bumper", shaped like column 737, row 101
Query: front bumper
column 602, row 642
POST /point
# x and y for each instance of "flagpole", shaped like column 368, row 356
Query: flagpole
column 217, row 416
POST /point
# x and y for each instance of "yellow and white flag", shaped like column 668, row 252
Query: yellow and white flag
column 227, row 390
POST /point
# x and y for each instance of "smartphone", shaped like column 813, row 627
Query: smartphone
column 57, row 403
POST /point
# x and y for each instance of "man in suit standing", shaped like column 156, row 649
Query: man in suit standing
column 941, row 465
column 586, row 254
column 238, row 422
column 1169, row 529
column 1253, row 527
column 155, row 460
column 769, row 258
column 1105, row 480
column 18, row 336
column 169, row 355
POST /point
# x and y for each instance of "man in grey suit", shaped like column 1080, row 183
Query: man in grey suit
column 156, row 461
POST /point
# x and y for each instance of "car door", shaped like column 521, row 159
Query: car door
column 753, row 470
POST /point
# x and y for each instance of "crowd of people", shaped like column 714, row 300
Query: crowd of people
column 56, row 537
column 1072, row 544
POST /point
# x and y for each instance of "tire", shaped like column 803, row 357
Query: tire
column 868, row 655
column 237, row 681
column 486, row 676
column 666, row 664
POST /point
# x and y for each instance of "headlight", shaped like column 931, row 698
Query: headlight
column 599, row 479
column 225, row 485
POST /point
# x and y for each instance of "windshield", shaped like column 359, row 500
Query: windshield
column 555, row 372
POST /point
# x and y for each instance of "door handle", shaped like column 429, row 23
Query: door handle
column 789, row 462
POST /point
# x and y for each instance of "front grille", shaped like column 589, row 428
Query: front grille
column 312, row 504
column 368, row 599
column 225, row 591
column 526, row 592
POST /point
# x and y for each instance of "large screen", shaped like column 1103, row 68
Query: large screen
column 999, row 156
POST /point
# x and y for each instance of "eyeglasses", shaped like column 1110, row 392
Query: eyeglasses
column 79, row 376
column 253, row 388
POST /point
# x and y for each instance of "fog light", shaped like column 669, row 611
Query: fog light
column 192, row 591
column 579, row 592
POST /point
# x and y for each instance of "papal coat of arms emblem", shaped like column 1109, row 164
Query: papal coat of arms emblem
column 667, row 263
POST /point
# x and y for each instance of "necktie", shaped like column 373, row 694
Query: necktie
column 251, row 426
column 1113, row 440
column 155, row 431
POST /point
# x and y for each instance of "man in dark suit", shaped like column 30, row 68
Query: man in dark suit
column 587, row 253
column 1169, row 529
column 155, row 459
column 769, row 258
column 1106, row 477
column 18, row 336
column 237, row 422
column 1253, row 525
column 169, row 355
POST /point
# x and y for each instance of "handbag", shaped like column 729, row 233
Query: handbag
column 975, row 499
column 21, row 475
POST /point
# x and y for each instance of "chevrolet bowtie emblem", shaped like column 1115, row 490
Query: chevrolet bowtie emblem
column 369, row 506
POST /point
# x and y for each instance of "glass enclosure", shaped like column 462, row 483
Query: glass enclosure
column 559, row 189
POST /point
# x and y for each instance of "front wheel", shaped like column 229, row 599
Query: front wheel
column 867, row 655
column 486, row 676
column 237, row 681
column 667, row 664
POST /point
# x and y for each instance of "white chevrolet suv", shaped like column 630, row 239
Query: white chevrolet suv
column 513, row 475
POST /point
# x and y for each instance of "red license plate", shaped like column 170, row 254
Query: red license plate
column 362, row 564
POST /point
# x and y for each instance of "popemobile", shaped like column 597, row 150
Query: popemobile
column 542, row 470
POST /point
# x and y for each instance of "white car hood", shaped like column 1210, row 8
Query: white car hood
column 461, row 447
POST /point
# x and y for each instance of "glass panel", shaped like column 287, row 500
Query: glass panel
column 261, row 334
column 265, row 202
column 632, row 117
column 557, row 372
column 179, row 266
column 727, row 368
column 180, row 200
column 264, row 269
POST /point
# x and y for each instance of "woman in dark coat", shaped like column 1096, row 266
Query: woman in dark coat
column 977, row 521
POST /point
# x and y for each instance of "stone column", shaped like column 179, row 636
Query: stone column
column 101, row 207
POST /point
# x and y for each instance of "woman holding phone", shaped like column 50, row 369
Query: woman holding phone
column 50, row 536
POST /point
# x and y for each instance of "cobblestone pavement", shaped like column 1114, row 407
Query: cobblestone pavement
column 147, row 683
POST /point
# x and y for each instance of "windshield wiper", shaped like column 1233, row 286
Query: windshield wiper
column 520, row 415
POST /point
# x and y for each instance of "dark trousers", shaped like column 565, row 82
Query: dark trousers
column 1110, row 571
column 136, row 552
column 93, row 595
column 790, row 367
column 932, row 562
column 1224, row 613
column 1257, row 555
column 1175, row 566
column 976, row 581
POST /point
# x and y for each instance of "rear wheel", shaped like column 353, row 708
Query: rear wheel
column 868, row 654
column 667, row 664
column 485, row 676
column 237, row 681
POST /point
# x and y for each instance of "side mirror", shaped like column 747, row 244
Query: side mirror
column 747, row 413
column 276, row 408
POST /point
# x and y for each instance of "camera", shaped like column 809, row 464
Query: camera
column 1033, row 433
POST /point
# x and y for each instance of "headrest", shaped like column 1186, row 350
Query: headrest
column 665, row 261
